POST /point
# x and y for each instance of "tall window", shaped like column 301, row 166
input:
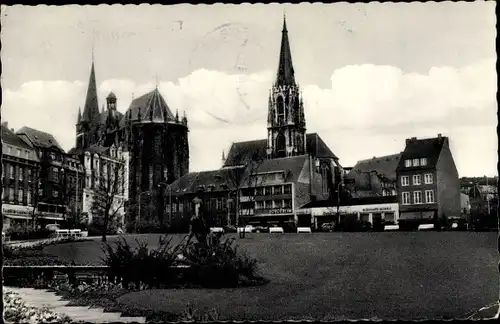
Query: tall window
column 11, row 172
column 287, row 189
column 406, row 198
column 428, row 178
column 405, row 181
column 27, row 153
column 21, row 171
column 28, row 197
column 20, row 195
column 423, row 161
column 281, row 144
column 11, row 194
column 281, row 110
column 417, row 197
column 429, row 196
column 3, row 170
column 150, row 175
column 18, row 152
column 55, row 174
column 407, row 163
column 417, row 180
column 416, row 162
column 29, row 175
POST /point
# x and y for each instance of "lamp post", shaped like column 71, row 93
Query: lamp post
column 139, row 209
column 338, row 201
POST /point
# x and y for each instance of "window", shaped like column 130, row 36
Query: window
column 258, row 191
column 405, row 181
column 219, row 204
column 9, row 149
column 407, row 163
column 28, row 197
column 52, row 156
column 3, row 170
column 417, row 197
column 20, row 195
column 268, row 204
column 55, row 193
column 423, row 161
column 288, row 203
column 55, row 174
column 27, row 154
column 21, row 171
column 417, row 180
column 416, row 162
column 267, row 191
column 278, row 190
column 18, row 152
column 11, row 172
column 29, row 174
column 287, row 189
column 429, row 196
column 11, row 194
column 428, row 178
column 406, row 198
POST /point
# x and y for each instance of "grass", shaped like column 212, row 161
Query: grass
column 333, row 276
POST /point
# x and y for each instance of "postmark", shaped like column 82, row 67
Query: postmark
column 227, row 48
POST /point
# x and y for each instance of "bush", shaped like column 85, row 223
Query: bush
column 148, row 226
column 27, row 233
column 152, row 267
column 218, row 264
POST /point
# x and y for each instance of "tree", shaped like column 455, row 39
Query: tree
column 107, row 198
column 244, row 178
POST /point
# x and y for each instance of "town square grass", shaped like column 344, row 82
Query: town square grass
column 336, row 276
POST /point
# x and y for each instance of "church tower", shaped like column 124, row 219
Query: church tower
column 286, row 126
column 84, row 135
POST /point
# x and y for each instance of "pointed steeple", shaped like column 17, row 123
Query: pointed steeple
column 79, row 115
column 286, row 73
column 91, row 107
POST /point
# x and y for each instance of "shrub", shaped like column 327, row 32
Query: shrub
column 152, row 267
column 148, row 226
column 218, row 264
column 26, row 233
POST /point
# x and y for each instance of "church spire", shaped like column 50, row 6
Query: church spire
column 285, row 68
column 79, row 115
column 91, row 107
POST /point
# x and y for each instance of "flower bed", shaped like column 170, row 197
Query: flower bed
column 16, row 310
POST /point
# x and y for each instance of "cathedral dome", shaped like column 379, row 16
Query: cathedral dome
column 152, row 108
column 111, row 95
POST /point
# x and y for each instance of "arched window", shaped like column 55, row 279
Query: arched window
column 281, row 145
column 281, row 110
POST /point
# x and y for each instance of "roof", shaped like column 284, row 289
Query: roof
column 92, row 149
column 353, row 202
column 241, row 152
column 111, row 95
column 103, row 116
column 291, row 166
column 91, row 108
column 383, row 165
column 39, row 138
column 11, row 138
column 222, row 180
column 151, row 105
column 285, row 75
column 429, row 148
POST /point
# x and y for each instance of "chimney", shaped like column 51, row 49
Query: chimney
column 408, row 141
column 439, row 135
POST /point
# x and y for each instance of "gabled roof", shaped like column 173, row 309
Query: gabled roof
column 429, row 148
column 218, row 180
column 241, row 152
column 290, row 166
column 152, row 105
column 39, row 138
column 11, row 138
column 384, row 166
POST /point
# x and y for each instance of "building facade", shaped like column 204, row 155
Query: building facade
column 153, row 143
column 20, row 167
column 428, row 182
column 52, row 198
column 373, row 177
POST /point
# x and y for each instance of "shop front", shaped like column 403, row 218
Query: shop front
column 16, row 215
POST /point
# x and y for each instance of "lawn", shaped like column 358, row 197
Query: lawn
column 334, row 276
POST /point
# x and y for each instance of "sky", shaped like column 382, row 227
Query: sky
column 371, row 74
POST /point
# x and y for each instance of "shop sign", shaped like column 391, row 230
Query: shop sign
column 14, row 210
column 377, row 209
column 274, row 211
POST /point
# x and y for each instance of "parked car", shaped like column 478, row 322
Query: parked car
column 328, row 227
column 260, row 229
column 52, row 227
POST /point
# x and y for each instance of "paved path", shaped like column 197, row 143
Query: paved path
column 45, row 298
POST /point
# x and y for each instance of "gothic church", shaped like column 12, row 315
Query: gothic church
column 153, row 143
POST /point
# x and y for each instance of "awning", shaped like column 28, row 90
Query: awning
column 17, row 216
column 417, row 215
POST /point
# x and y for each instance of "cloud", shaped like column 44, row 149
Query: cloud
column 369, row 110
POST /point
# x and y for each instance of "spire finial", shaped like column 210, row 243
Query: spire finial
column 156, row 80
